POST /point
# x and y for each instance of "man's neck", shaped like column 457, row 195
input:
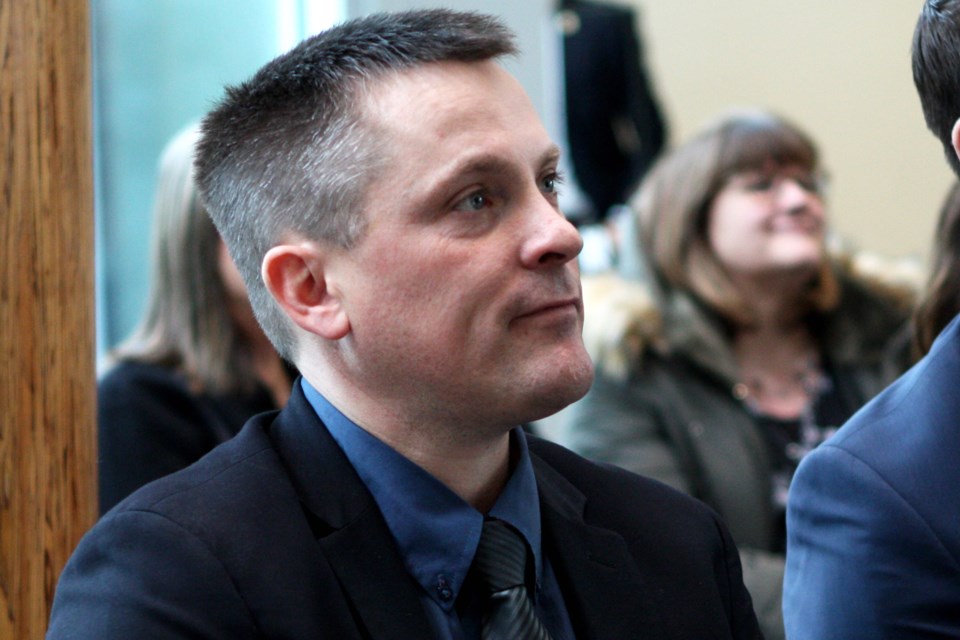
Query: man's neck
column 472, row 461
column 477, row 472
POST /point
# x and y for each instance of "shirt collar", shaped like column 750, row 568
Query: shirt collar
column 436, row 531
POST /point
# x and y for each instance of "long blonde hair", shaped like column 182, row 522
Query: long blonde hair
column 187, row 325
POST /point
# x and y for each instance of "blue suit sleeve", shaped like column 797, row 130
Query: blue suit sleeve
column 861, row 562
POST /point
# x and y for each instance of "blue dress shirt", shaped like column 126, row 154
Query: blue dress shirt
column 437, row 532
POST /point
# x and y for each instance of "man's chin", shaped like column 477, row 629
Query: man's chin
column 565, row 387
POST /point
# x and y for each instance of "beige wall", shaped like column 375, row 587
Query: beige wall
column 841, row 70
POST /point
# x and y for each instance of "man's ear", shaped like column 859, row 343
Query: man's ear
column 296, row 277
column 955, row 137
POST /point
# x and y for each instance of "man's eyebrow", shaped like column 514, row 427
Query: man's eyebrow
column 550, row 156
column 485, row 163
column 493, row 163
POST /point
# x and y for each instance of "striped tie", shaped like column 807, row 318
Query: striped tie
column 500, row 562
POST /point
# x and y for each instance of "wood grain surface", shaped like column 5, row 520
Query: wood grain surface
column 47, row 378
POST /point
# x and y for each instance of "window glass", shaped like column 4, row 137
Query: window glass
column 158, row 66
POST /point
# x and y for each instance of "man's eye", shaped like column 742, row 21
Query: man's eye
column 476, row 201
column 552, row 182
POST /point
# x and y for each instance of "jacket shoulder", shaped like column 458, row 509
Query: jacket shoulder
column 205, row 549
column 879, row 293
column 128, row 377
column 623, row 319
column 618, row 499
column 893, row 282
column 232, row 475
column 877, row 298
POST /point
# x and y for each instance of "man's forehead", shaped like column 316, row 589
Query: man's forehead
column 450, row 119
column 433, row 84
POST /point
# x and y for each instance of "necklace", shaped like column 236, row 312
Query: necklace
column 782, row 396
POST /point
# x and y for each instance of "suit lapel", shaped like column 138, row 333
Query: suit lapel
column 348, row 526
column 603, row 590
column 373, row 576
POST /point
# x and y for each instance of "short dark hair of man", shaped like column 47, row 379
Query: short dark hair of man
column 936, row 70
column 290, row 152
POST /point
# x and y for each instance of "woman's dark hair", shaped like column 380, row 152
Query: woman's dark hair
column 941, row 298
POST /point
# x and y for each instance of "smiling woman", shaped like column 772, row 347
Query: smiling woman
column 740, row 344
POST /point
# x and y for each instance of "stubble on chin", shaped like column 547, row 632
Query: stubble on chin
column 567, row 383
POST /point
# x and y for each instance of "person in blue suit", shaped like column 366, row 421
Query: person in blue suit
column 389, row 195
column 873, row 519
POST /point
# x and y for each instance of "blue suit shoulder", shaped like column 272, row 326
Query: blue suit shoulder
column 873, row 549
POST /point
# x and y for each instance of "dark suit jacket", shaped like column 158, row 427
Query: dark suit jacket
column 614, row 125
column 273, row 535
column 873, row 519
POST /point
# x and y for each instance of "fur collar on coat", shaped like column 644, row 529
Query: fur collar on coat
column 624, row 317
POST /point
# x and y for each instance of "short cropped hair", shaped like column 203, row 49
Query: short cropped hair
column 289, row 151
column 675, row 198
column 936, row 70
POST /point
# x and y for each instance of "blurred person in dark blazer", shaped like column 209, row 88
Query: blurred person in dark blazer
column 198, row 365
column 614, row 125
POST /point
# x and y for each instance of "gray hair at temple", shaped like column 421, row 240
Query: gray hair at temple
column 289, row 152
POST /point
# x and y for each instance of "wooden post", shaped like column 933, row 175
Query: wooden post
column 47, row 383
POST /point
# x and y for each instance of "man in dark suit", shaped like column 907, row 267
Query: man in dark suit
column 873, row 519
column 389, row 196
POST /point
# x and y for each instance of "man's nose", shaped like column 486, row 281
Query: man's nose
column 551, row 238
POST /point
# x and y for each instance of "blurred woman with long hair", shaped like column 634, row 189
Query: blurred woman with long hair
column 736, row 344
column 198, row 365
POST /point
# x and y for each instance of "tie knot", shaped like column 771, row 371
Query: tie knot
column 501, row 555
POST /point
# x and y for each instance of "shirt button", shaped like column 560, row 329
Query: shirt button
column 443, row 589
